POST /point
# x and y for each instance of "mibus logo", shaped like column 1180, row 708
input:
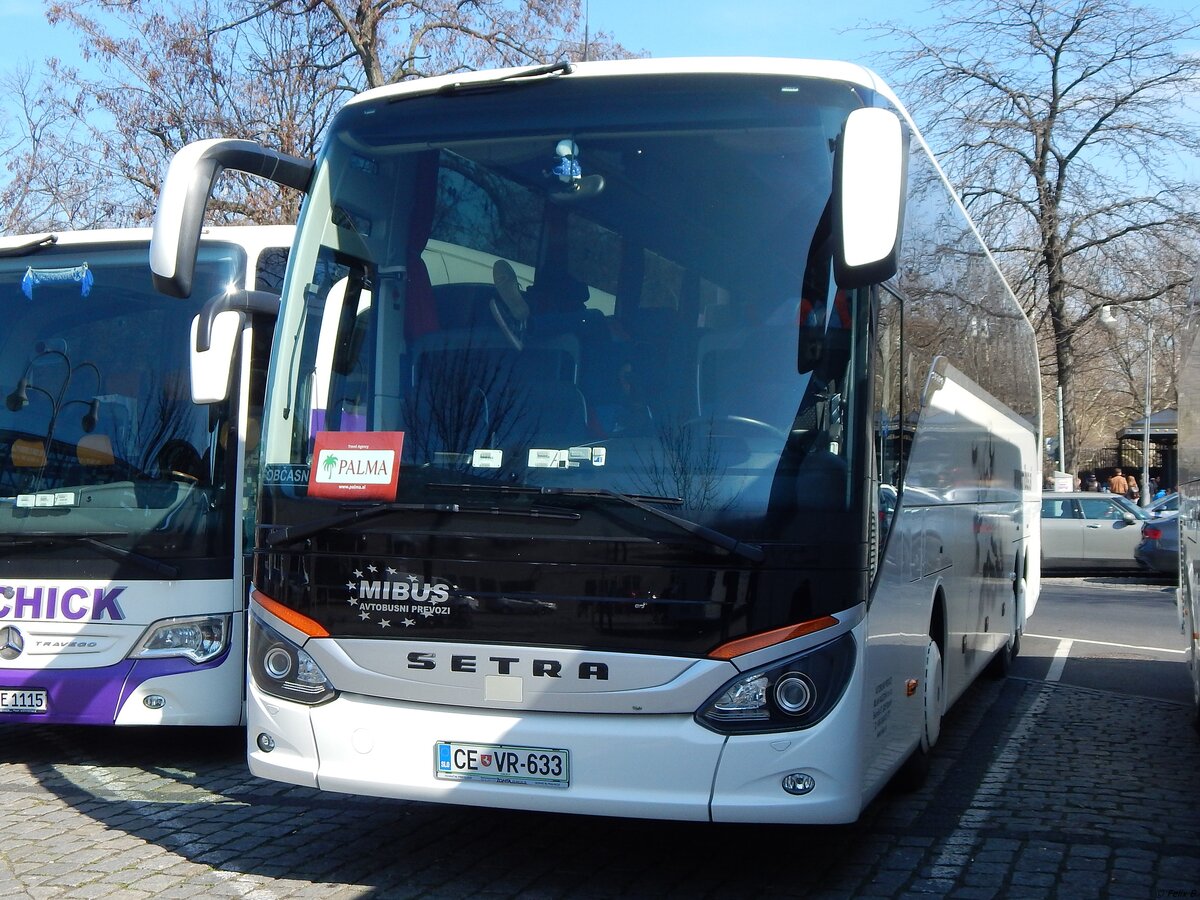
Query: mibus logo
column 396, row 598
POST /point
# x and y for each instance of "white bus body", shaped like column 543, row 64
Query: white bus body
column 1188, row 592
column 650, row 438
column 122, row 593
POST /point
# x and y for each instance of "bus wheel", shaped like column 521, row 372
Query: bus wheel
column 1196, row 687
column 933, row 696
column 1001, row 663
column 915, row 770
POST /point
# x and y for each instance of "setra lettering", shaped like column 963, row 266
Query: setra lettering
column 505, row 665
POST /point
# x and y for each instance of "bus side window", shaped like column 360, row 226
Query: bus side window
column 891, row 449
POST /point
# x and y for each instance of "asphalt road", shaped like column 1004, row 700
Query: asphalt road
column 1109, row 633
column 1074, row 777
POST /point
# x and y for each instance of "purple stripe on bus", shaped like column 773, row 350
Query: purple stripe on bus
column 91, row 696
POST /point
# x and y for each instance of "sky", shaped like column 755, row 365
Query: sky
column 661, row 27
column 802, row 28
column 799, row 28
column 822, row 29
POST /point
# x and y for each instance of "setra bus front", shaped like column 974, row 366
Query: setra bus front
column 567, row 492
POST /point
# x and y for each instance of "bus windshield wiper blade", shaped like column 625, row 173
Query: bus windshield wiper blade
column 521, row 76
column 154, row 565
column 542, row 491
column 752, row 552
column 40, row 242
column 158, row 567
column 288, row 534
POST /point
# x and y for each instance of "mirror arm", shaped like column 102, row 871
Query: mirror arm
column 242, row 301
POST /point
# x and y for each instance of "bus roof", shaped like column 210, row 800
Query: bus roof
column 253, row 236
column 733, row 65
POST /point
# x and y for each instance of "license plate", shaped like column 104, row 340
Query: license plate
column 502, row 763
column 22, row 701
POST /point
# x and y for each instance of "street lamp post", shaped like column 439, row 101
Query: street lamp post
column 1108, row 320
column 1144, row 495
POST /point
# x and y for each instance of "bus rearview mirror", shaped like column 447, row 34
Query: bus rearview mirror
column 870, row 174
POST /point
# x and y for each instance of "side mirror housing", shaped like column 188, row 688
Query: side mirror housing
column 211, row 367
column 870, row 177
column 179, row 216
column 215, row 333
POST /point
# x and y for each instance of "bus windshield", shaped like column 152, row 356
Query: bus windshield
column 101, row 450
column 621, row 300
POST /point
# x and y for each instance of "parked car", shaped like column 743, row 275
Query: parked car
column 1164, row 505
column 1158, row 551
column 1088, row 531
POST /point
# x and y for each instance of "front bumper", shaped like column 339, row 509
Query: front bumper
column 639, row 766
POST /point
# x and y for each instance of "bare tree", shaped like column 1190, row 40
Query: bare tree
column 385, row 41
column 1060, row 126
column 161, row 75
column 32, row 152
column 93, row 140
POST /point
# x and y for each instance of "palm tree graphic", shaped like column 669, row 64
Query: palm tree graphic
column 329, row 463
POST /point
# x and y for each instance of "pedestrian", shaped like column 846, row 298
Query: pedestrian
column 1118, row 484
column 1132, row 492
column 1090, row 483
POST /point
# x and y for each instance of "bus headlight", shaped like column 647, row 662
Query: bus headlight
column 793, row 693
column 198, row 638
column 283, row 670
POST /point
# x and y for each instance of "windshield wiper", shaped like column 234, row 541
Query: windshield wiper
column 158, row 567
column 643, row 502
column 524, row 75
column 40, row 242
column 289, row 534
column 752, row 552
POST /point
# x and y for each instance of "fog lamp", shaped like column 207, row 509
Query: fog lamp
column 265, row 742
column 798, row 783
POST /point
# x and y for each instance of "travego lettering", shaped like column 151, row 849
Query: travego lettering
column 73, row 603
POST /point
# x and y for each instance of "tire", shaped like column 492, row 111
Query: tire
column 933, row 696
column 1001, row 663
column 915, row 770
column 1196, row 687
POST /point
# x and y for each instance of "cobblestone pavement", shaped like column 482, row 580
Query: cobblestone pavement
column 1038, row 790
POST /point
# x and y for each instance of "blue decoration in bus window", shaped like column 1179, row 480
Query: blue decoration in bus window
column 567, row 167
column 81, row 275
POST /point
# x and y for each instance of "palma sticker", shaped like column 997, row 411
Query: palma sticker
column 356, row 465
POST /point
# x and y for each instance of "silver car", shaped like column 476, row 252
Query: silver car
column 1085, row 531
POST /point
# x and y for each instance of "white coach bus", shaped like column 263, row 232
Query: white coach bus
column 701, row 497
column 122, row 594
column 1188, row 592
